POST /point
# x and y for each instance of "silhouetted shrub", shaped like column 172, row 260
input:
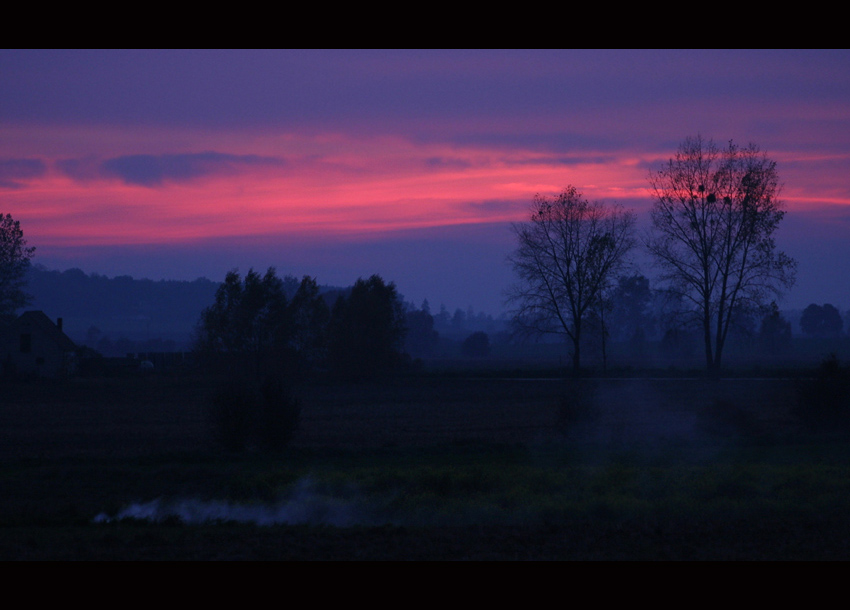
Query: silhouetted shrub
column 231, row 415
column 90, row 363
column 476, row 345
column 578, row 403
column 823, row 403
column 280, row 414
column 240, row 415
column 724, row 419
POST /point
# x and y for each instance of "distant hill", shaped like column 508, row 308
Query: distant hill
column 140, row 310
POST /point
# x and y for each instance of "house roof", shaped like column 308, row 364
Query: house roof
column 39, row 320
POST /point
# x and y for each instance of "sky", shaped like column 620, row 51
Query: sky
column 412, row 164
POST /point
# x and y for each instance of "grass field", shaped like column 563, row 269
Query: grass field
column 424, row 468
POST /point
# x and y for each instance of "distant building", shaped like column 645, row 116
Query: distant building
column 33, row 344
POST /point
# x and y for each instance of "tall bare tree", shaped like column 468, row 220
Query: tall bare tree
column 714, row 216
column 569, row 252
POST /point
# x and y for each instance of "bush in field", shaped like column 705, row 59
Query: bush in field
column 578, row 403
column 280, row 414
column 240, row 415
column 724, row 419
column 231, row 415
column 823, row 403
column 476, row 345
column 90, row 363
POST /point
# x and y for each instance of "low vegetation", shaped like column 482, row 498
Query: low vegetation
column 824, row 400
column 241, row 415
column 425, row 467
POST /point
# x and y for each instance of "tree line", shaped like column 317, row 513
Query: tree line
column 639, row 314
column 254, row 330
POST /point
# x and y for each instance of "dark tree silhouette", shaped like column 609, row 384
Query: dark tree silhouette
column 476, row 345
column 713, row 222
column 309, row 315
column 251, row 338
column 821, row 321
column 421, row 338
column 631, row 303
column 823, row 402
column 775, row 331
column 248, row 328
column 367, row 330
column 569, row 252
column 14, row 261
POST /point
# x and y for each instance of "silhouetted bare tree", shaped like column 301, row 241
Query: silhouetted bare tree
column 569, row 252
column 713, row 220
column 14, row 260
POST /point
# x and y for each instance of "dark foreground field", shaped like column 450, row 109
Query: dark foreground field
column 430, row 468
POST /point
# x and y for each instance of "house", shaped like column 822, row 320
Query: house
column 33, row 344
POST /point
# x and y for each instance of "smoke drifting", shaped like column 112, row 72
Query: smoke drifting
column 307, row 504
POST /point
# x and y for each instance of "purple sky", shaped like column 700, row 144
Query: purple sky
column 411, row 164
